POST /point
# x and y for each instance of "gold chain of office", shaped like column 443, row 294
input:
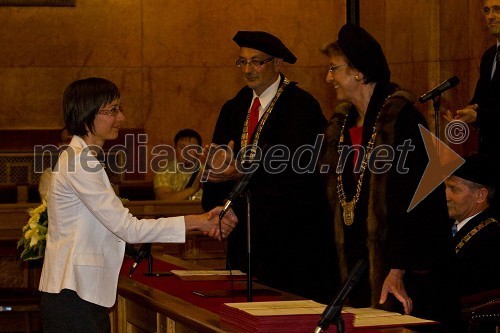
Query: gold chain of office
column 348, row 206
column 267, row 112
column 474, row 231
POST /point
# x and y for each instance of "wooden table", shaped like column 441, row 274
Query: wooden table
column 143, row 309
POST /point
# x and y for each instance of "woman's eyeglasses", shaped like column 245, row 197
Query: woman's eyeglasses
column 333, row 69
column 111, row 112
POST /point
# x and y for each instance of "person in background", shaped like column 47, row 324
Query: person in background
column 291, row 234
column 88, row 224
column 483, row 110
column 181, row 178
column 43, row 184
column 370, row 203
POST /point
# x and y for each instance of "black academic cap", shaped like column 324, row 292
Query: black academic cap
column 264, row 42
column 477, row 169
column 364, row 53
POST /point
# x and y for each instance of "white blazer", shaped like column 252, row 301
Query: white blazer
column 88, row 228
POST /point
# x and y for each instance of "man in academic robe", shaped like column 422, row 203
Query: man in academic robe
column 292, row 243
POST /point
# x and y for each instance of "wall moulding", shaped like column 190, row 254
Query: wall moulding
column 37, row 2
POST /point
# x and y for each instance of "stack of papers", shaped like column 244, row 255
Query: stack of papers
column 188, row 275
column 303, row 317
column 369, row 317
column 281, row 316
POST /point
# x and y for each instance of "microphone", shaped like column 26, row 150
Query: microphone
column 242, row 184
column 144, row 251
column 238, row 189
column 333, row 310
column 448, row 84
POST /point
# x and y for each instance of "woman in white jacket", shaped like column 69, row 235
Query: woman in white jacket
column 89, row 225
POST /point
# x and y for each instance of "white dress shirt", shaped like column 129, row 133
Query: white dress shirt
column 267, row 96
column 495, row 65
column 464, row 222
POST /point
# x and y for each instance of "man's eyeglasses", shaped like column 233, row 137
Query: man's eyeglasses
column 333, row 69
column 111, row 112
column 254, row 63
column 495, row 10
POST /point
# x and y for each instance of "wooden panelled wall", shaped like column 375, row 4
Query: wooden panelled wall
column 174, row 60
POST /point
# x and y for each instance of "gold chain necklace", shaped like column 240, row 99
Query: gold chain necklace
column 348, row 206
column 474, row 231
column 267, row 112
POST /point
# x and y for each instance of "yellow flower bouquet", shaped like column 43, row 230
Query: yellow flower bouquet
column 34, row 233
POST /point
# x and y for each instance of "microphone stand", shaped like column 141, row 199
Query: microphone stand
column 333, row 312
column 340, row 324
column 150, row 268
column 238, row 191
column 249, row 249
column 337, row 319
column 436, row 103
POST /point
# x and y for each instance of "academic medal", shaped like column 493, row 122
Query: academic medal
column 349, row 213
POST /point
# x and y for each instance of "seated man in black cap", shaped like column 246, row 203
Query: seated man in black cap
column 291, row 236
column 476, row 231
column 475, row 245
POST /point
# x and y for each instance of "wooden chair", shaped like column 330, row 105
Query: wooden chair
column 482, row 311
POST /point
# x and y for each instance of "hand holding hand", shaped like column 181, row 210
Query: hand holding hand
column 208, row 223
column 226, row 226
column 394, row 284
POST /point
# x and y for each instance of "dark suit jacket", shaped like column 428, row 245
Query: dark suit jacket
column 292, row 237
column 477, row 264
column 487, row 96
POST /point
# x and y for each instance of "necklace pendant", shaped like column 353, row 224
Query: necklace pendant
column 349, row 213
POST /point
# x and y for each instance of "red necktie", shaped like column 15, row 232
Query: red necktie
column 253, row 119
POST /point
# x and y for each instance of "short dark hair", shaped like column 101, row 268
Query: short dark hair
column 81, row 101
column 187, row 133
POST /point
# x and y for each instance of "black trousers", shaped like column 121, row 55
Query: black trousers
column 66, row 312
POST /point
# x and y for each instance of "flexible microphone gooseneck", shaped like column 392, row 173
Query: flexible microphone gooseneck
column 238, row 189
column 333, row 310
column 144, row 251
column 242, row 183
